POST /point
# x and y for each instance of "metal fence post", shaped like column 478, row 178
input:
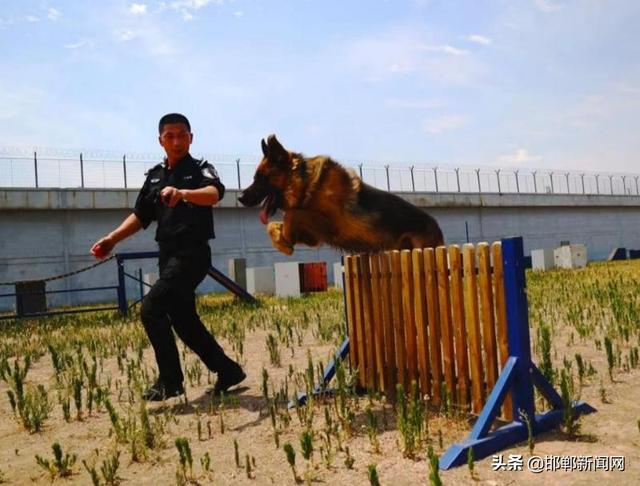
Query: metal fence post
column 140, row 281
column 435, row 176
column 535, row 182
column 124, row 169
column 637, row 192
column 81, row 171
column 386, row 168
column 122, row 292
column 498, row 178
column 566, row 174
column 413, row 182
column 457, row 169
column 517, row 182
column 551, row 179
column 35, row 166
column 611, row 184
column 598, row 184
column 582, row 177
column 238, row 171
column 478, row 177
column 624, row 185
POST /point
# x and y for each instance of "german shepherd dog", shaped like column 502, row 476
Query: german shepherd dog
column 324, row 203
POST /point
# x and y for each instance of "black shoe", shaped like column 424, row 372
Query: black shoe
column 159, row 392
column 227, row 378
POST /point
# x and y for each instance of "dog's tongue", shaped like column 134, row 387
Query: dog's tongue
column 264, row 217
column 264, row 211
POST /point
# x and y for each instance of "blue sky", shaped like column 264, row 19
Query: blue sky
column 529, row 83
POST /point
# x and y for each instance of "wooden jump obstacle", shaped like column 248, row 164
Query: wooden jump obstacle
column 432, row 316
column 437, row 317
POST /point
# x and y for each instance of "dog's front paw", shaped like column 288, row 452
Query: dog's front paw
column 275, row 231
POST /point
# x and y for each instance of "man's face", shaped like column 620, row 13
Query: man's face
column 175, row 140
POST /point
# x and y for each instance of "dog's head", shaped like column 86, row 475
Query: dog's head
column 270, row 179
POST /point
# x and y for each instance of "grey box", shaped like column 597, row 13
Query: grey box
column 31, row 297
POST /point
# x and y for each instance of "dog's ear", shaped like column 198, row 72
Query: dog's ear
column 265, row 149
column 275, row 151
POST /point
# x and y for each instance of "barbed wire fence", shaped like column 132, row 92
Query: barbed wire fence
column 61, row 168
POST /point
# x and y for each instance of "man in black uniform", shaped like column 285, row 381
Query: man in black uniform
column 178, row 194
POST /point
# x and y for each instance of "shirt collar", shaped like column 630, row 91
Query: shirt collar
column 180, row 164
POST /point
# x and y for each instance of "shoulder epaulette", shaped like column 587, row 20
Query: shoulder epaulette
column 157, row 166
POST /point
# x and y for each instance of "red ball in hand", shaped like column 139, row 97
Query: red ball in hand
column 98, row 251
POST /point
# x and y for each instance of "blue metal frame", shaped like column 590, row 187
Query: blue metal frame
column 519, row 375
column 330, row 369
column 213, row 272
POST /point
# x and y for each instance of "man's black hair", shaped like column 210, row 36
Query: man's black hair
column 173, row 118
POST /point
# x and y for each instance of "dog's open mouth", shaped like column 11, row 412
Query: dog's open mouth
column 268, row 208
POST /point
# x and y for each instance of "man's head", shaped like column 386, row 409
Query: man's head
column 175, row 136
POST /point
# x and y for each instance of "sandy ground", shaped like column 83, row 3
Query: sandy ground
column 613, row 430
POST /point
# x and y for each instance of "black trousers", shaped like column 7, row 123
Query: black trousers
column 171, row 304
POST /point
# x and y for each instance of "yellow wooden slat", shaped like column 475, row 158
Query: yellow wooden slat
column 444, row 306
column 435, row 353
column 359, row 318
column 409, row 317
column 369, row 324
column 387, row 318
column 376, row 294
column 420, row 315
column 472, row 320
column 351, row 324
column 398, row 317
column 458, row 322
column 488, row 321
column 501, row 320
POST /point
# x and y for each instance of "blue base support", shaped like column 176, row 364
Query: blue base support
column 484, row 443
column 327, row 376
column 518, row 375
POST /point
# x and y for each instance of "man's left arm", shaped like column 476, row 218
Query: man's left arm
column 211, row 190
column 205, row 196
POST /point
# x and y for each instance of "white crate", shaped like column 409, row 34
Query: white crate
column 337, row 275
column 542, row 259
column 287, row 279
column 150, row 279
column 261, row 280
column 238, row 271
column 570, row 256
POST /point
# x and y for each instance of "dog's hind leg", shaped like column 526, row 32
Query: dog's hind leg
column 276, row 232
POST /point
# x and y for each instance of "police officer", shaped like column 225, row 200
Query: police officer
column 178, row 194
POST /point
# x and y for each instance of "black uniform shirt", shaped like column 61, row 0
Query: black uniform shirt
column 185, row 221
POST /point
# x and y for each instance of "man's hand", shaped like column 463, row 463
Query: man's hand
column 171, row 196
column 103, row 247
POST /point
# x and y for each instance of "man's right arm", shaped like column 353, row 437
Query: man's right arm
column 105, row 245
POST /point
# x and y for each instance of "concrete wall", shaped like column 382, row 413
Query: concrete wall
column 48, row 232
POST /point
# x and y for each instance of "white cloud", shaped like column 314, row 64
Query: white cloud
column 238, row 13
column 547, row 6
column 406, row 53
column 186, row 16
column 53, row 14
column 195, row 4
column 447, row 123
column 445, row 49
column 138, row 8
column 125, row 35
column 412, row 104
column 77, row 45
column 520, row 157
column 479, row 39
column 32, row 18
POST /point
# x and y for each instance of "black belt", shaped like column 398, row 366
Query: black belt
column 177, row 244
